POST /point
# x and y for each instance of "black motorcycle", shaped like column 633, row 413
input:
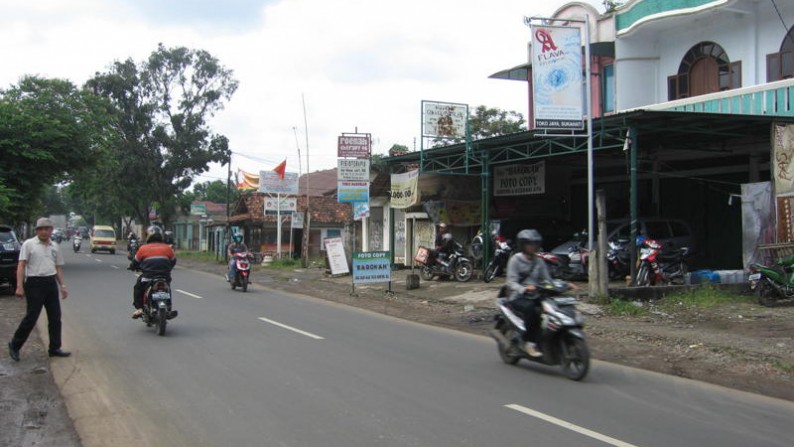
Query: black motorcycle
column 618, row 259
column 498, row 263
column 562, row 341
column 132, row 248
column 157, row 308
column 454, row 266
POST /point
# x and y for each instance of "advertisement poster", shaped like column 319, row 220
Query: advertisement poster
column 347, row 192
column 444, row 119
column 557, row 77
column 360, row 210
column 353, row 146
column 519, row 180
column 371, row 266
column 335, row 250
column 353, row 170
column 783, row 151
column 270, row 182
column 404, row 189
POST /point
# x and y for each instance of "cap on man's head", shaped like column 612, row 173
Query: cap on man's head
column 43, row 222
column 442, row 225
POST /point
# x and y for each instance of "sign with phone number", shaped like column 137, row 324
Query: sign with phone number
column 371, row 266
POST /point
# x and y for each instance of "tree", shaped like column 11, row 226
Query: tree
column 164, row 140
column 49, row 131
column 487, row 123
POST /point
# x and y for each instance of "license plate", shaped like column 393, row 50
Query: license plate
column 158, row 296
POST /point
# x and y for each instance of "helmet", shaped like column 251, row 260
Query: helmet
column 237, row 238
column 154, row 234
column 529, row 236
column 442, row 225
column 446, row 237
column 640, row 240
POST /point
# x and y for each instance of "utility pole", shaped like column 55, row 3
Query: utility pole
column 228, row 198
column 307, row 219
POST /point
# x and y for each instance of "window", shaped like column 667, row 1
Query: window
column 608, row 89
column 704, row 69
column 780, row 65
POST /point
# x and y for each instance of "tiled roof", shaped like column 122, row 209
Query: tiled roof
column 324, row 210
column 321, row 183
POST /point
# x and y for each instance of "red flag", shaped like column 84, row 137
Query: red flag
column 281, row 169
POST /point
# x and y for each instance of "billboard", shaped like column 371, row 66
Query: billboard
column 557, row 96
column 519, row 180
column 352, row 192
column 444, row 119
column 270, row 182
column 371, row 266
column 353, row 170
column 353, row 146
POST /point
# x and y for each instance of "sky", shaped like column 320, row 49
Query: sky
column 352, row 65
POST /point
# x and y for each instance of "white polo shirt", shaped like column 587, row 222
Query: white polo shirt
column 41, row 258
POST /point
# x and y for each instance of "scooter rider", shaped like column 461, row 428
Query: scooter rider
column 237, row 246
column 444, row 245
column 525, row 271
column 153, row 259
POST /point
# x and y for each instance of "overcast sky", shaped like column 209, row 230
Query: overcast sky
column 363, row 64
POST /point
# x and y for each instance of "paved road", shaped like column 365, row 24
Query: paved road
column 267, row 369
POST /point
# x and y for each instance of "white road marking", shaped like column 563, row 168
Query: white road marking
column 281, row 325
column 188, row 293
column 114, row 267
column 97, row 260
column 569, row 426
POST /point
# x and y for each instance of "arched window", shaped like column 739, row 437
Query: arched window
column 704, row 69
column 780, row 65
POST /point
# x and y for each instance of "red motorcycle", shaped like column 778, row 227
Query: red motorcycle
column 242, row 270
column 656, row 267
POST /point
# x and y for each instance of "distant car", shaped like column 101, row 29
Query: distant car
column 103, row 237
column 9, row 255
column 671, row 233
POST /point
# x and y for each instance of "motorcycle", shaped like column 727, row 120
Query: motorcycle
column 618, row 259
column 562, row 341
column 557, row 265
column 457, row 265
column 498, row 263
column 242, row 270
column 76, row 243
column 477, row 243
column 773, row 285
column 132, row 248
column 656, row 267
column 157, row 305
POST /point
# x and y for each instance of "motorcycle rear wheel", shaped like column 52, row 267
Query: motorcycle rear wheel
column 162, row 320
column 766, row 293
column 490, row 273
column 463, row 271
column 575, row 358
column 426, row 273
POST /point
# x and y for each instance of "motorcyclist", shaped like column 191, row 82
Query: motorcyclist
column 237, row 246
column 154, row 259
column 131, row 237
column 444, row 245
column 168, row 238
column 525, row 272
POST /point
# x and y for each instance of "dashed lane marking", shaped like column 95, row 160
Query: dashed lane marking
column 188, row 293
column 569, row 426
column 284, row 326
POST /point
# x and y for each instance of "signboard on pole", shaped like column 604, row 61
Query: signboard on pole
column 371, row 266
column 353, row 146
column 404, row 189
column 270, row 182
column 444, row 119
column 557, row 77
column 353, row 170
column 286, row 205
column 335, row 250
column 352, row 192
column 297, row 221
column 519, row 180
column 360, row 210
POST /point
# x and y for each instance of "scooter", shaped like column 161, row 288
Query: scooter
column 498, row 263
column 242, row 270
column 456, row 265
column 656, row 267
column 562, row 341
column 618, row 259
column 557, row 265
column 773, row 285
column 76, row 243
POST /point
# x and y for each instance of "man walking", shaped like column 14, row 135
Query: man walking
column 39, row 276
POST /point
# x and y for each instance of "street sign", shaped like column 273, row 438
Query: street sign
column 287, row 204
column 270, row 182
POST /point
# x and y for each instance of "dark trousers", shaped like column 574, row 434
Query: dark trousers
column 530, row 310
column 40, row 292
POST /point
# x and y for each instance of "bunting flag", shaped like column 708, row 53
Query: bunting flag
column 281, row 169
column 247, row 181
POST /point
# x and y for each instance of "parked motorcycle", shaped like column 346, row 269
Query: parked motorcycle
column 132, row 248
column 656, row 267
column 242, row 270
column 562, row 341
column 457, row 265
column 498, row 263
column 476, row 246
column 618, row 259
column 773, row 285
column 157, row 303
column 76, row 243
column 557, row 265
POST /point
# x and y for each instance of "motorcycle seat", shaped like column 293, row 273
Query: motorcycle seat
column 674, row 255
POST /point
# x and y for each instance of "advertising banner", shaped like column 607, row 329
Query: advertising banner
column 335, row 250
column 557, row 77
column 371, row 266
column 270, row 182
column 360, row 210
column 520, row 180
column 444, row 119
column 783, row 153
column 287, row 205
column 353, row 146
column 347, row 192
column 198, row 209
column 353, row 170
column 404, row 189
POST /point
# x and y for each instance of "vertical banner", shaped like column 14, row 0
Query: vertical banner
column 557, row 77
column 783, row 156
column 758, row 223
column 405, row 189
